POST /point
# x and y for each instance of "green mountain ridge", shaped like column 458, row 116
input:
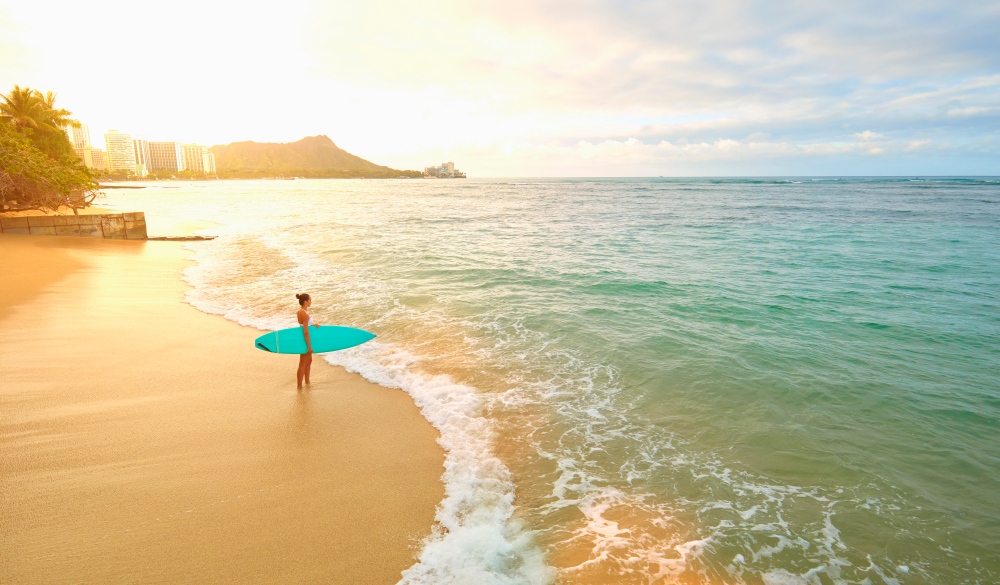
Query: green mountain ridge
column 314, row 157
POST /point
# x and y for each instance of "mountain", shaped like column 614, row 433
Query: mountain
column 315, row 156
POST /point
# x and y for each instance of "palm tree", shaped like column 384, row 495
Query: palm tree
column 55, row 119
column 23, row 107
column 30, row 110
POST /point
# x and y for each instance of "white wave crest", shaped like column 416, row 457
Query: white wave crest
column 477, row 539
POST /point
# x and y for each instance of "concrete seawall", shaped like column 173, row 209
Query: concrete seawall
column 118, row 226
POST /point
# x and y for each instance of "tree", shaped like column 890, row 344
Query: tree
column 23, row 108
column 36, row 116
column 38, row 168
column 54, row 118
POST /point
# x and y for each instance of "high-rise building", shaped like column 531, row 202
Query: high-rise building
column 121, row 151
column 165, row 156
column 198, row 158
column 78, row 137
column 445, row 171
column 141, row 149
column 98, row 160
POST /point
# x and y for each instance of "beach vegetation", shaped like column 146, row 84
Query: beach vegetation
column 158, row 175
column 38, row 167
column 114, row 175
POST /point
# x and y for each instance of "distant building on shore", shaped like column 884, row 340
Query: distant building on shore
column 121, row 152
column 141, row 148
column 137, row 155
column 98, row 159
column 445, row 171
column 198, row 158
column 165, row 156
column 80, row 139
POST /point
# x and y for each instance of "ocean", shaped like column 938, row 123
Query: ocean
column 778, row 381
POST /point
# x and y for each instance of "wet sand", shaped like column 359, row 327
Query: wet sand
column 142, row 441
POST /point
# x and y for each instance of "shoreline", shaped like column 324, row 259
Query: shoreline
column 141, row 439
column 63, row 210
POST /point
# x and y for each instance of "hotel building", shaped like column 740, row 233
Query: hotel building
column 445, row 171
column 198, row 159
column 99, row 161
column 165, row 156
column 121, row 152
column 80, row 139
column 141, row 149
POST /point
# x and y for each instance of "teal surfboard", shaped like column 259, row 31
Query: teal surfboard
column 324, row 338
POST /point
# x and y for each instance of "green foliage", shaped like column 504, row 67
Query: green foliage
column 161, row 175
column 115, row 175
column 23, row 108
column 38, row 168
column 35, row 115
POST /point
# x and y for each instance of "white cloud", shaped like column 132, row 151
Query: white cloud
column 506, row 84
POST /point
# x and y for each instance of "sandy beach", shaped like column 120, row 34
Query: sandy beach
column 142, row 441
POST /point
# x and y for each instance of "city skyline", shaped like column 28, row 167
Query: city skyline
column 129, row 152
column 735, row 88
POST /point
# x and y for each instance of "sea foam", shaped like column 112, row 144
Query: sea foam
column 477, row 539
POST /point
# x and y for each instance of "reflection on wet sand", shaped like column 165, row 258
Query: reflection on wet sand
column 142, row 440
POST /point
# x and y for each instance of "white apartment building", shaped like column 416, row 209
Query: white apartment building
column 121, row 152
column 141, row 148
column 445, row 171
column 98, row 160
column 165, row 156
column 198, row 158
column 80, row 139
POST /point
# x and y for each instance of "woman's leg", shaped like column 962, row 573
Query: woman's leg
column 309, row 363
column 301, row 372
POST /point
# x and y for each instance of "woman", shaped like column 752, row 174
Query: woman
column 306, row 359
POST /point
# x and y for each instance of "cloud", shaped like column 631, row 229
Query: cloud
column 728, row 83
column 657, row 54
column 591, row 72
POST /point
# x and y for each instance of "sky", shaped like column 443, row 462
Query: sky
column 542, row 88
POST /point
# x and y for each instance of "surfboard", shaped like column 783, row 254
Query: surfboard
column 324, row 338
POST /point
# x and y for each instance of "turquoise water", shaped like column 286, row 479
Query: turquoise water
column 657, row 380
